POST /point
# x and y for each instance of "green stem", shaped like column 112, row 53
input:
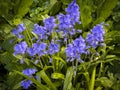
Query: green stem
column 101, row 67
column 92, row 81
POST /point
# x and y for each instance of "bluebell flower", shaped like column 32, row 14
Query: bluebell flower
column 18, row 31
column 53, row 48
column 37, row 48
column 73, row 11
column 21, row 27
column 20, row 48
column 91, row 40
column 96, row 36
column 75, row 49
column 49, row 24
column 29, row 71
column 26, row 84
column 70, row 51
column 67, row 21
column 80, row 45
column 39, row 30
column 64, row 21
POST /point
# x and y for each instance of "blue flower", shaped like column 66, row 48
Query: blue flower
column 26, row 84
column 49, row 24
column 64, row 21
column 37, row 48
column 39, row 30
column 80, row 45
column 73, row 11
column 53, row 48
column 67, row 21
column 96, row 36
column 70, row 51
column 75, row 49
column 20, row 48
column 29, row 71
column 19, row 30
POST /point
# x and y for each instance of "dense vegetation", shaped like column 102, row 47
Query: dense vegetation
column 97, row 67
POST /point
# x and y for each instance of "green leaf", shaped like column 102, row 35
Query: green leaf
column 58, row 63
column 6, row 45
column 12, row 81
column 68, row 79
column 39, row 85
column 105, row 81
column 106, row 8
column 23, row 8
column 28, row 32
column 47, row 80
column 66, row 2
column 56, row 8
column 6, row 58
column 57, row 76
column 59, row 59
column 85, row 11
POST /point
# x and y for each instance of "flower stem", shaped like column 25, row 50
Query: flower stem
column 92, row 81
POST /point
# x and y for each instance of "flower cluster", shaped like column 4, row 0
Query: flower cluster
column 75, row 49
column 20, row 48
column 29, row 72
column 80, row 46
column 44, row 31
column 96, row 36
column 46, row 44
column 37, row 48
column 19, row 30
column 68, row 20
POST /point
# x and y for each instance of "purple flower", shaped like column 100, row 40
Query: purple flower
column 53, row 48
column 26, row 84
column 70, row 51
column 73, row 11
column 96, row 36
column 49, row 24
column 19, row 30
column 37, row 48
column 39, row 30
column 21, row 27
column 20, row 48
column 80, row 45
column 29, row 71
column 64, row 21
column 75, row 49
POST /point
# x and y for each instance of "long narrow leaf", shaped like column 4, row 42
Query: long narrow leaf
column 47, row 80
column 68, row 78
column 39, row 85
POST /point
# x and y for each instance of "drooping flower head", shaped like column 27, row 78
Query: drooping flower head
column 73, row 11
column 20, row 48
column 53, row 48
column 29, row 71
column 19, row 30
column 26, row 84
column 40, row 31
column 49, row 24
column 37, row 48
column 96, row 37
column 67, row 21
column 75, row 49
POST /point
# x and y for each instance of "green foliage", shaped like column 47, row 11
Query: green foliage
column 68, row 79
column 59, row 75
column 23, row 8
